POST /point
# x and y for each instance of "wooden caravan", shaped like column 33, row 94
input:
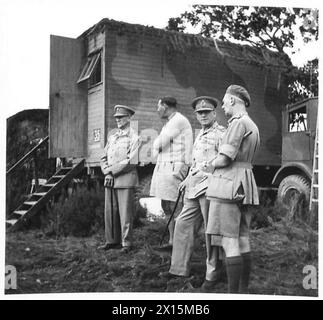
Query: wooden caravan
column 119, row 63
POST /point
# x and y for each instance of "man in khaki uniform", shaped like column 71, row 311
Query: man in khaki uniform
column 229, row 218
column 119, row 165
column 196, row 206
column 173, row 148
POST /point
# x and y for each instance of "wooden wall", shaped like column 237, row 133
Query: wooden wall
column 96, row 104
column 140, row 69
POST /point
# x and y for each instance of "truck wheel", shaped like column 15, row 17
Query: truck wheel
column 142, row 191
column 291, row 190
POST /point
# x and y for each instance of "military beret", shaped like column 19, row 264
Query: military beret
column 204, row 103
column 121, row 111
column 239, row 92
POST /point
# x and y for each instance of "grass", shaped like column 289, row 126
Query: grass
column 281, row 249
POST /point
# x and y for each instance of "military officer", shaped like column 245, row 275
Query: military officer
column 173, row 148
column 118, row 164
column 196, row 206
column 229, row 217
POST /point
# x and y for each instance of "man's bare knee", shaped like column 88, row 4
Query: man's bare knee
column 231, row 246
column 244, row 244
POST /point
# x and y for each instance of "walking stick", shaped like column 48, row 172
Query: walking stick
column 171, row 216
column 111, row 207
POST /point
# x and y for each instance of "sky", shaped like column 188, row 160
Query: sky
column 26, row 25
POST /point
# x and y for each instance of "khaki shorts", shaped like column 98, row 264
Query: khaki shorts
column 228, row 219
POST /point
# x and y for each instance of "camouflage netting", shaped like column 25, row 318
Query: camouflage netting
column 24, row 130
column 181, row 42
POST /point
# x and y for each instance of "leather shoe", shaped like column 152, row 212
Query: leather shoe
column 126, row 249
column 208, row 286
column 108, row 246
column 166, row 275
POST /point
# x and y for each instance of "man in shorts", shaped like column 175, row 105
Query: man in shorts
column 229, row 218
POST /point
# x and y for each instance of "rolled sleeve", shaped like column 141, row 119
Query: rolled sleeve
column 228, row 150
column 232, row 139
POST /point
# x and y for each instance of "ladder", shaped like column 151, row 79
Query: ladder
column 315, row 174
column 38, row 199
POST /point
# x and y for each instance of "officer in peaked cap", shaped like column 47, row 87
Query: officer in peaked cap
column 121, row 111
column 196, row 207
column 119, row 165
column 204, row 103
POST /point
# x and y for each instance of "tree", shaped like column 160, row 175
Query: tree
column 265, row 27
column 304, row 83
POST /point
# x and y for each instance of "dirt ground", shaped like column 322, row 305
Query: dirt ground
column 48, row 265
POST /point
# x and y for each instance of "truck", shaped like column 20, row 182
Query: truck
column 115, row 62
column 299, row 136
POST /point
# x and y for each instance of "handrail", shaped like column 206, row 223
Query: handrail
column 27, row 155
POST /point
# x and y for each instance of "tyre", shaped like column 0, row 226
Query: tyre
column 292, row 192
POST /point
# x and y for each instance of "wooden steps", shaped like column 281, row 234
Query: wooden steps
column 38, row 200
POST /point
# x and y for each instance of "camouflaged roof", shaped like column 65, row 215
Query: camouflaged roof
column 182, row 41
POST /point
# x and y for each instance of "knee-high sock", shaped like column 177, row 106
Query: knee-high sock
column 245, row 273
column 234, row 268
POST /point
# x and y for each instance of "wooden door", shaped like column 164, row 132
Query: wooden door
column 68, row 99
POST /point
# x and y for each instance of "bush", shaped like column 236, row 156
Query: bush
column 273, row 211
column 80, row 215
column 264, row 215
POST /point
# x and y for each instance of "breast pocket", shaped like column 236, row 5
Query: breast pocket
column 208, row 148
column 123, row 149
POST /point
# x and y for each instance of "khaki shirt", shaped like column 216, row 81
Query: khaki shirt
column 241, row 149
column 205, row 148
column 234, row 145
column 120, row 158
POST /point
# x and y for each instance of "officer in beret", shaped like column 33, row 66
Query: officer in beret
column 119, row 166
column 196, row 206
column 229, row 217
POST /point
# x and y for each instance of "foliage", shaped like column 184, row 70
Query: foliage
column 265, row 214
column 70, row 264
column 270, row 27
column 265, row 27
column 17, row 189
column 24, row 131
column 81, row 214
column 271, row 211
column 304, row 83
